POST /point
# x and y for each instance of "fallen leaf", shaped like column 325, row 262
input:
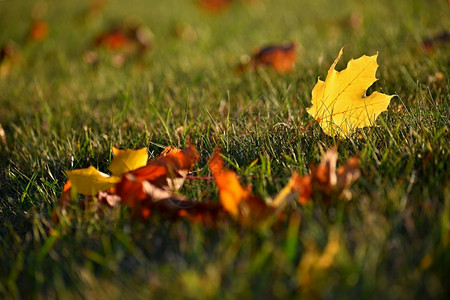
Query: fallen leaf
column 124, row 41
column 347, row 175
column 127, row 160
column 339, row 104
column 280, row 57
column 304, row 187
column 141, row 188
column 114, row 39
column 66, row 195
column 38, row 31
column 169, row 170
column 430, row 44
column 168, row 150
column 109, row 197
column 89, row 181
column 214, row 5
column 230, row 190
column 239, row 202
column 64, row 200
column 327, row 180
column 219, row 5
column 134, row 190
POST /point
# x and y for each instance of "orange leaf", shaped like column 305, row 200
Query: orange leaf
column 131, row 38
column 124, row 41
column 38, row 31
column 214, row 5
column 280, row 57
column 237, row 201
column 170, row 170
column 114, row 39
column 303, row 185
column 130, row 190
column 64, row 200
column 230, row 190
column 66, row 195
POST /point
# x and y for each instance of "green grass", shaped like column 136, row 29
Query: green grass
column 60, row 113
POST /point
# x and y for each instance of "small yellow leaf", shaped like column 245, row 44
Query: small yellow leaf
column 89, row 181
column 127, row 160
column 339, row 103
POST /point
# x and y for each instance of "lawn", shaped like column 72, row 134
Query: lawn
column 59, row 112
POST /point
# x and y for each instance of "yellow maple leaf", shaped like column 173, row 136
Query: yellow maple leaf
column 127, row 160
column 89, row 181
column 339, row 103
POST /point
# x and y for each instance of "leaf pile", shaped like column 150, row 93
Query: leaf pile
column 339, row 105
column 144, row 187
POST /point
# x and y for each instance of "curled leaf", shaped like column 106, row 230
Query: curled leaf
column 327, row 180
